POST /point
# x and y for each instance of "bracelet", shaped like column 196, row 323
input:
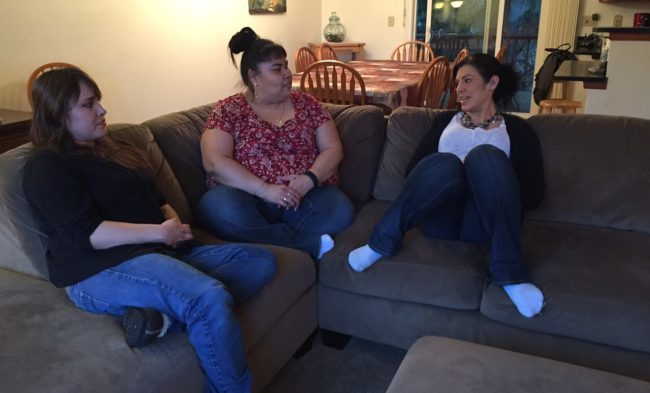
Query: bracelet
column 312, row 177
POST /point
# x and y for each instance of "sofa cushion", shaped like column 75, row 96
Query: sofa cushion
column 437, row 364
column 45, row 336
column 22, row 240
column 406, row 127
column 178, row 135
column 595, row 281
column 48, row 345
column 425, row 270
column 597, row 170
column 361, row 129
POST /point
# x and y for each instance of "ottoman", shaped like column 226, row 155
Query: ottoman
column 437, row 364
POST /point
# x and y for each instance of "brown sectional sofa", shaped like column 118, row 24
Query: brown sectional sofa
column 588, row 247
column 47, row 345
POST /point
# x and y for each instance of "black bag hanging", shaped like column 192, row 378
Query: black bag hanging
column 544, row 77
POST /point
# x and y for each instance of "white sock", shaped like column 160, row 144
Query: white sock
column 326, row 244
column 362, row 258
column 527, row 297
column 167, row 323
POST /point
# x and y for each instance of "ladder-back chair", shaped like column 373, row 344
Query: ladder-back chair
column 304, row 58
column 327, row 52
column 413, row 51
column 453, row 98
column 40, row 70
column 434, row 83
column 334, row 82
column 501, row 54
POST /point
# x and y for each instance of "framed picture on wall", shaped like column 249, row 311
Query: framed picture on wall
column 267, row 6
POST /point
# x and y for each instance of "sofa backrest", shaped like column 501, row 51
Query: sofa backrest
column 361, row 130
column 406, row 127
column 178, row 136
column 22, row 244
column 597, row 170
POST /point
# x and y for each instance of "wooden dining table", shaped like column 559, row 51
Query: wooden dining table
column 389, row 83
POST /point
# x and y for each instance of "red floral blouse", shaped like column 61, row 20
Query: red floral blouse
column 266, row 150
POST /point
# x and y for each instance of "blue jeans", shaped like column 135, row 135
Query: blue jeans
column 199, row 291
column 236, row 215
column 476, row 201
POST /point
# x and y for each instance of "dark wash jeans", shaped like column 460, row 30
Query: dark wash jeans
column 197, row 290
column 236, row 215
column 476, row 201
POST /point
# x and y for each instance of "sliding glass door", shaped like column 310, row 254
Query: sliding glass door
column 484, row 26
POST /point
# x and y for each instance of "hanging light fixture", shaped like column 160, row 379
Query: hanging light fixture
column 456, row 3
column 438, row 5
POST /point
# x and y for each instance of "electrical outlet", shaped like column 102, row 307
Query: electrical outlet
column 391, row 21
column 618, row 20
column 587, row 21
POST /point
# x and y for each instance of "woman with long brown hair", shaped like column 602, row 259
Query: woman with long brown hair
column 113, row 242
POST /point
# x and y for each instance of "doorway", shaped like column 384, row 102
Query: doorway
column 484, row 26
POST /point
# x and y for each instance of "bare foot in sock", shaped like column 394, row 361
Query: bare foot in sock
column 362, row 258
column 326, row 244
column 527, row 297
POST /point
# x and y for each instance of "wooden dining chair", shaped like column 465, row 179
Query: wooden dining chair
column 453, row 98
column 413, row 51
column 434, row 83
column 40, row 70
column 335, row 82
column 501, row 54
column 304, row 57
column 326, row 52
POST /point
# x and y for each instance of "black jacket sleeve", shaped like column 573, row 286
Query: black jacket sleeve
column 526, row 157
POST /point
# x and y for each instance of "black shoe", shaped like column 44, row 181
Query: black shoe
column 141, row 326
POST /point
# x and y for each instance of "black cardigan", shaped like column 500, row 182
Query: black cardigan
column 525, row 154
column 71, row 194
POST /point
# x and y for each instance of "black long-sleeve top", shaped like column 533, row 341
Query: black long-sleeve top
column 525, row 154
column 71, row 194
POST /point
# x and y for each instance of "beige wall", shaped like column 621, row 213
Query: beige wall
column 606, row 11
column 149, row 57
column 367, row 21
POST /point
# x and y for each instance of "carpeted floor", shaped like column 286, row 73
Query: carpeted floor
column 362, row 367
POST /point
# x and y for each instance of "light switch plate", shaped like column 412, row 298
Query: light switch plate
column 618, row 20
column 391, row 21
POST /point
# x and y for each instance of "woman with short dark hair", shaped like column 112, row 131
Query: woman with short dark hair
column 472, row 174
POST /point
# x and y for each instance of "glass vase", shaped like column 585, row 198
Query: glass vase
column 334, row 31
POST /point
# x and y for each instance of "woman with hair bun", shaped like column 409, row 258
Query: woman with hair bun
column 271, row 156
column 472, row 174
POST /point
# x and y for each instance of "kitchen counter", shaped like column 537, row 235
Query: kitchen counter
column 627, row 70
column 625, row 33
column 578, row 71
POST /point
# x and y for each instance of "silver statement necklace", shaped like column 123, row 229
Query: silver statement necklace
column 466, row 121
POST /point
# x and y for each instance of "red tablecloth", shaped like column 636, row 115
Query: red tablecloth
column 389, row 83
